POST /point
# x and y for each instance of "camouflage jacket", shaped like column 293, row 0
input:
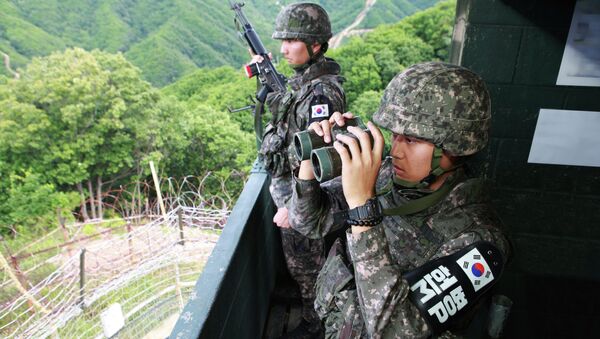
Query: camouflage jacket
column 318, row 86
column 360, row 290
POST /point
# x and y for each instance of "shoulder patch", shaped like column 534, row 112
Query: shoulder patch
column 320, row 106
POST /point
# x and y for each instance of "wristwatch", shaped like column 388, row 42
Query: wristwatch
column 369, row 212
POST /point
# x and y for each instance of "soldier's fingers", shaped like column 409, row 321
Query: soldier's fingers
column 348, row 115
column 365, row 143
column 326, row 128
column 352, row 144
column 250, row 51
column 336, row 118
column 339, row 119
column 315, row 126
column 343, row 152
column 378, row 140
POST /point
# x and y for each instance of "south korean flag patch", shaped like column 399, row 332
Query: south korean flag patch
column 319, row 111
column 320, row 105
column 476, row 268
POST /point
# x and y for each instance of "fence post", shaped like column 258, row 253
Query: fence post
column 18, row 284
column 82, row 278
column 158, row 193
column 130, row 241
column 180, row 224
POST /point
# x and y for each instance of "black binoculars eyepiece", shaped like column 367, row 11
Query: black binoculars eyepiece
column 325, row 160
column 306, row 141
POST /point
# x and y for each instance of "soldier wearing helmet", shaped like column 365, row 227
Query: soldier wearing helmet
column 415, row 216
column 315, row 93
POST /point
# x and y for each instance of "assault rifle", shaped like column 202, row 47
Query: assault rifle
column 269, row 80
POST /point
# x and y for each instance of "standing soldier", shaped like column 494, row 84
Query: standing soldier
column 316, row 93
column 424, row 245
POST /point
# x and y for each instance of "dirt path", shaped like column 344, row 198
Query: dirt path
column 7, row 65
column 336, row 40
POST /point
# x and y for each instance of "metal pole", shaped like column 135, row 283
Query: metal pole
column 82, row 278
column 180, row 224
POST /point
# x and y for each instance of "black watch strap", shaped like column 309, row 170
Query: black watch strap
column 369, row 211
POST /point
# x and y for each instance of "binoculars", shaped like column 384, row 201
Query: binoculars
column 325, row 160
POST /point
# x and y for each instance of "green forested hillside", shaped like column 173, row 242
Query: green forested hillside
column 78, row 123
column 165, row 39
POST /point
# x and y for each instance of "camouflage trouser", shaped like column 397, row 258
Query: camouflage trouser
column 304, row 258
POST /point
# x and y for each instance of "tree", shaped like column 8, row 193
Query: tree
column 366, row 104
column 433, row 26
column 33, row 204
column 81, row 114
column 362, row 76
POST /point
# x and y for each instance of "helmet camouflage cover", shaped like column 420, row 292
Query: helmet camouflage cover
column 444, row 104
column 307, row 22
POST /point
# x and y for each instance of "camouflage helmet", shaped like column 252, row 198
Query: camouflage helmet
column 444, row 104
column 307, row 22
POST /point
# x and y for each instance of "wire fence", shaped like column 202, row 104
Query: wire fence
column 147, row 264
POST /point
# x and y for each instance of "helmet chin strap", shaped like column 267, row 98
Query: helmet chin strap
column 309, row 50
column 435, row 172
column 311, row 55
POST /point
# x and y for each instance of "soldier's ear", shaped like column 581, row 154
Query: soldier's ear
column 316, row 47
column 448, row 161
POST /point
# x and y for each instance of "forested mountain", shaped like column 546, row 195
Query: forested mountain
column 78, row 124
column 164, row 38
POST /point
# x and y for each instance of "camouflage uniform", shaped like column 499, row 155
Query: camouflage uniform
column 361, row 291
column 314, row 85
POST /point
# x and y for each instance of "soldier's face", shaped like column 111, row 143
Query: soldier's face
column 411, row 157
column 294, row 51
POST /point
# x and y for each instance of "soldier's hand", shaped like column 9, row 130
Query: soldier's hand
column 323, row 127
column 339, row 118
column 360, row 163
column 281, row 218
column 257, row 58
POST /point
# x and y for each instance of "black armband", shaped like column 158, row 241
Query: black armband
column 446, row 288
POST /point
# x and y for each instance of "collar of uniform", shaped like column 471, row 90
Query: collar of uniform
column 319, row 67
column 466, row 191
column 399, row 196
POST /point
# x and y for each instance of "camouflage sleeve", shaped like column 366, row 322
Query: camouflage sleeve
column 281, row 189
column 382, row 292
column 314, row 207
column 273, row 101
